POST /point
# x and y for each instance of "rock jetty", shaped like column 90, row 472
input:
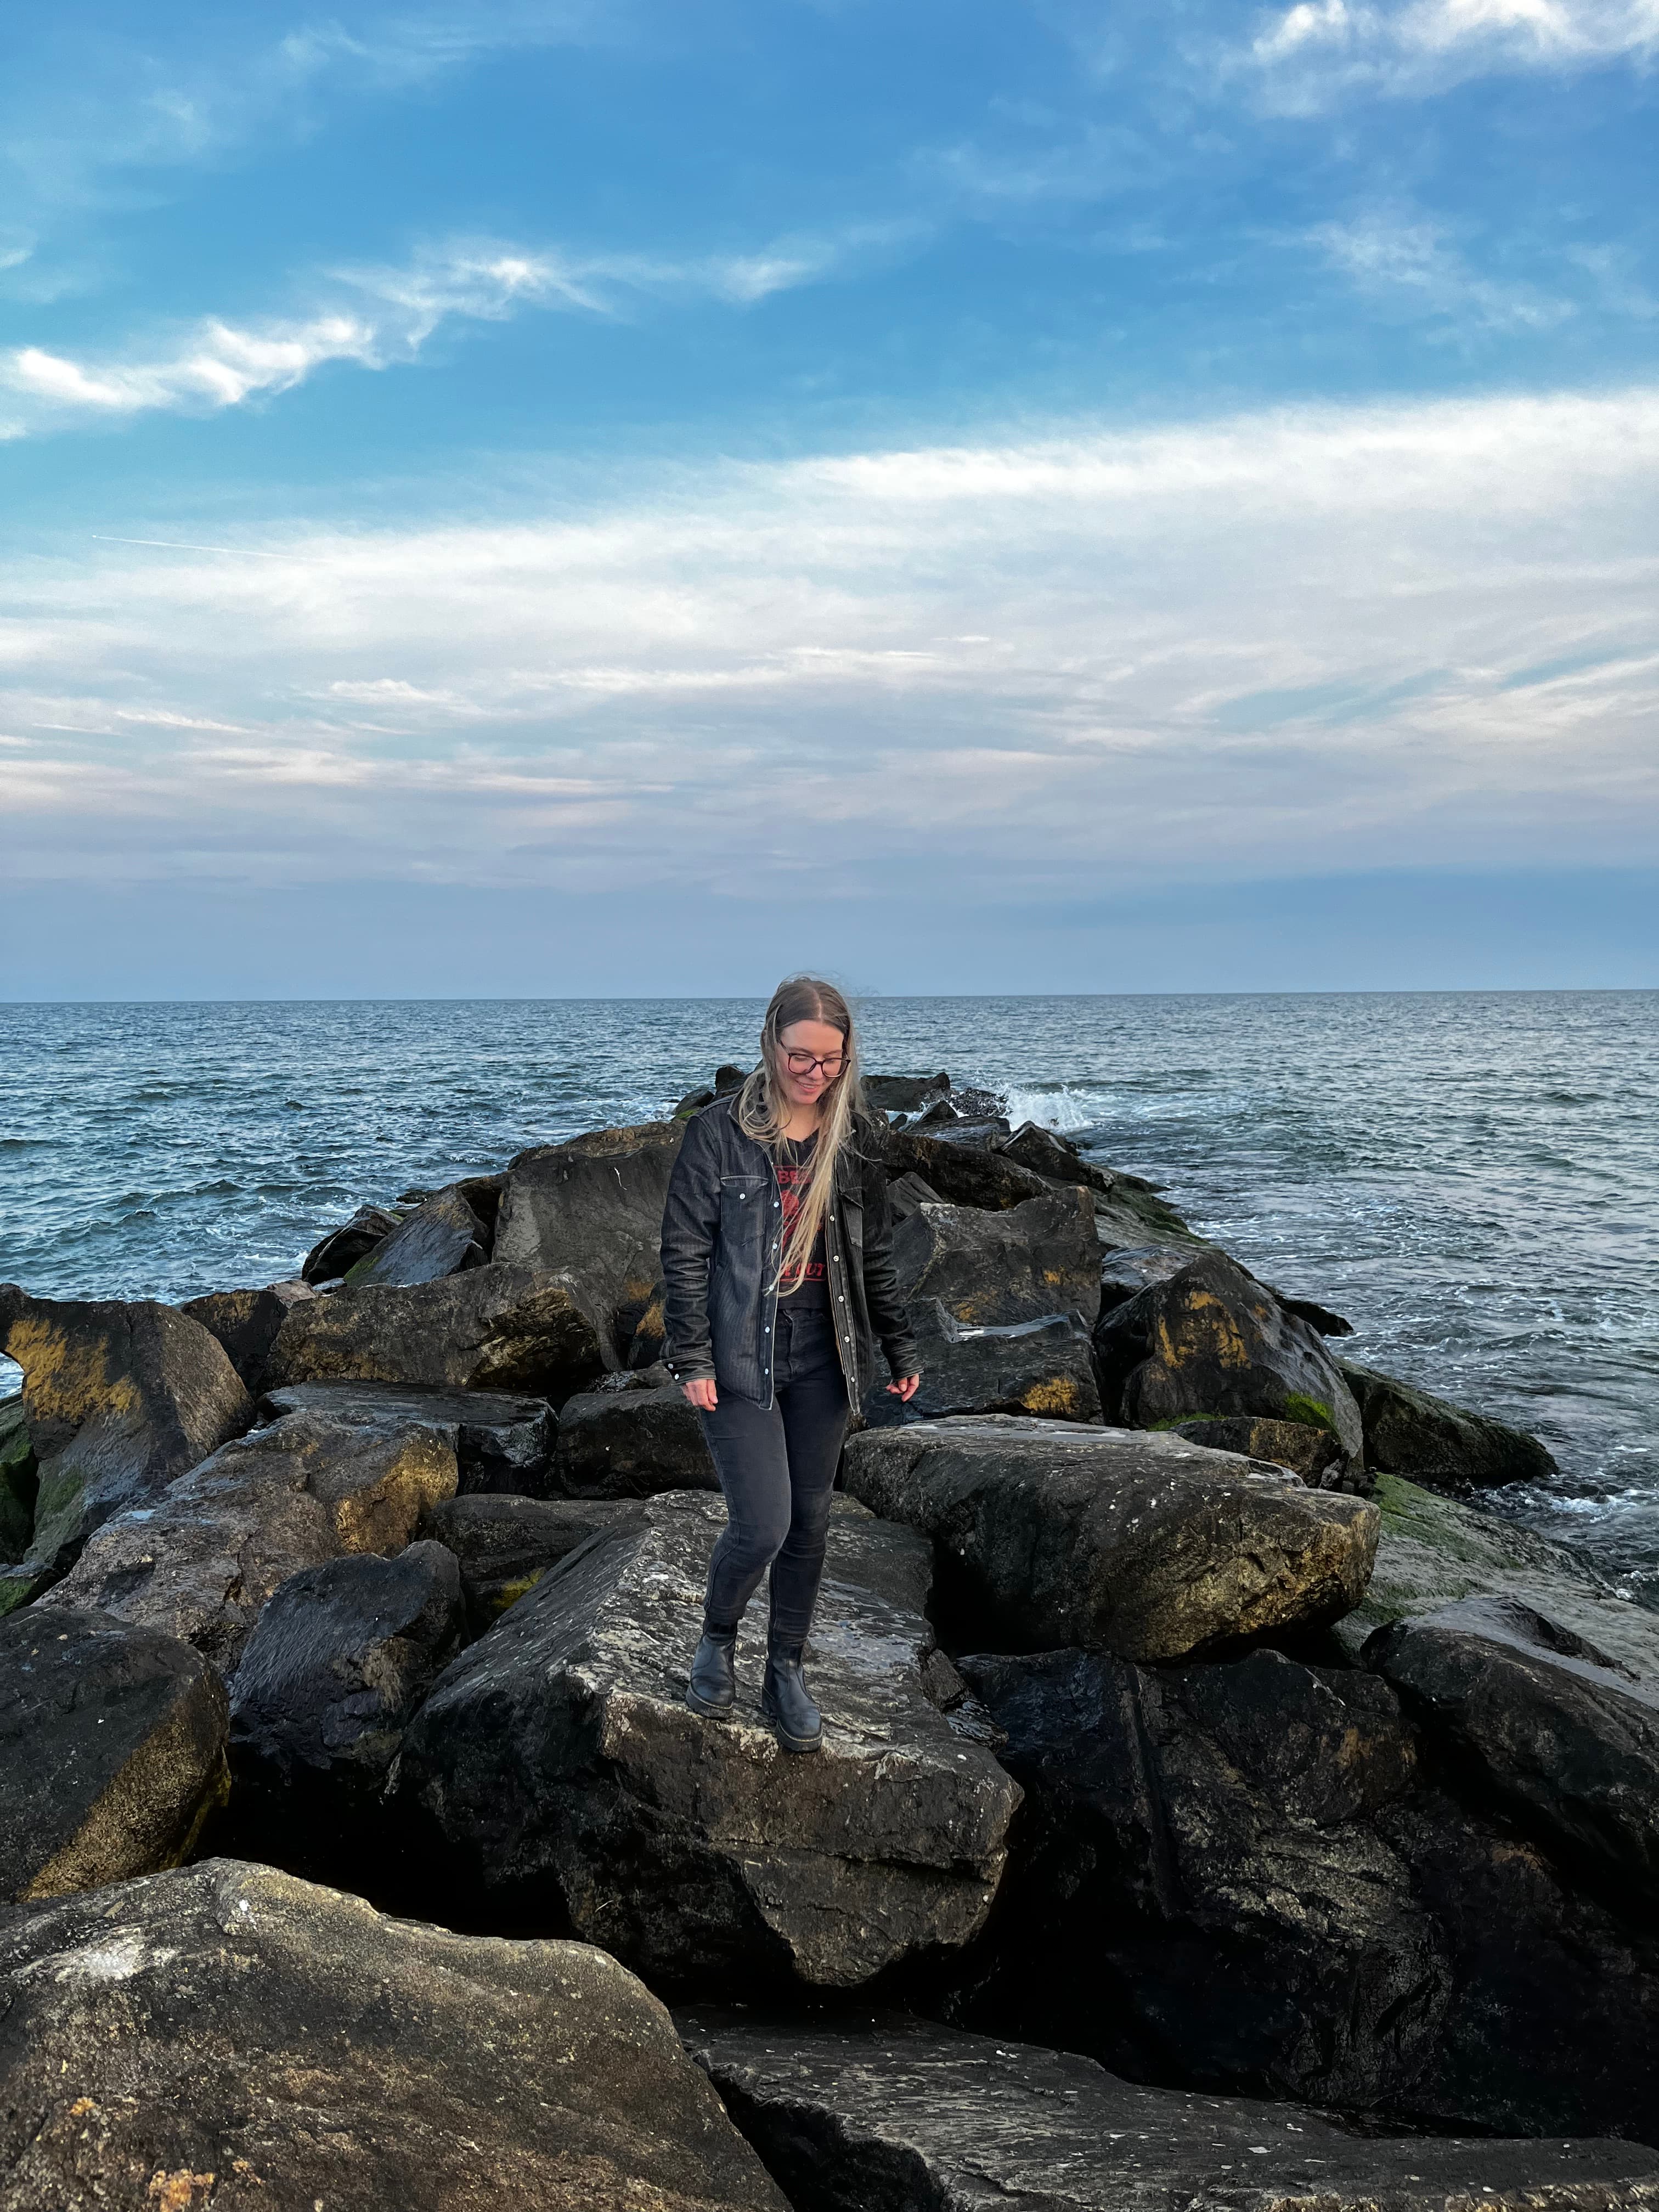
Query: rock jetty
column 1217, row 1804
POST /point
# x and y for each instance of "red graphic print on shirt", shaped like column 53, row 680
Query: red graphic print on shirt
column 792, row 1188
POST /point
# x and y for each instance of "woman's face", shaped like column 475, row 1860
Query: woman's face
column 809, row 1041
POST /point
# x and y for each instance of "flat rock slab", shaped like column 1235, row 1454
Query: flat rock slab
column 228, row 2036
column 495, row 1328
column 442, row 1235
column 1567, row 1737
column 1434, row 1550
column 559, row 1763
column 1412, row 1432
column 505, row 1545
column 501, row 1439
column 1044, row 1367
column 202, row 1561
column 112, row 1751
column 1112, row 1538
column 913, row 2118
column 631, row 1443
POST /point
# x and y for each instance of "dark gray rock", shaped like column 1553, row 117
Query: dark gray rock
column 337, row 1662
column 1044, row 1367
column 119, row 1399
column 1409, row 1431
column 1019, row 1264
column 112, row 1751
column 502, row 1440
column 1198, row 1891
column 299, row 2049
column 1313, row 1454
column 962, row 1175
column 1211, row 1339
column 592, row 1209
column 20, row 1480
column 905, row 1094
column 905, row 2116
column 342, row 1249
column 1054, row 1157
column 1127, row 1270
column 246, row 1323
column 559, row 1762
column 495, row 1327
column 1319, row 1318
column 1111, row 1540
column 506, row 1544
column 905, row 1192
column 442, row 1235
column 1566, row 1737
column 631, row 1443
column 203, row 1559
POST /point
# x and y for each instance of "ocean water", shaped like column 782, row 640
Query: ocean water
column 1472, row 1178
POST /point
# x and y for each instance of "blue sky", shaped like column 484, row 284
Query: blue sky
column 633, row 497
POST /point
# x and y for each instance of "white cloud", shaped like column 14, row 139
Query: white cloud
column 1412, row 261
column 389, row 315
column 1317, row 49
column 1295, row 641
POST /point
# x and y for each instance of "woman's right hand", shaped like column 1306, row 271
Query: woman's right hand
column 700, row 1393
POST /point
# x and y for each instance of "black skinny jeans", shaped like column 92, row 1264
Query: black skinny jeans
column 777, row 1469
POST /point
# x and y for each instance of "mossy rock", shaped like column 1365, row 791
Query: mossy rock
column 19, row 1480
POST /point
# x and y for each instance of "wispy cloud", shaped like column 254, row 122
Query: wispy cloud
column 1412, row 262
column 1318, row 49
column 387, row 315
column 1309, row 640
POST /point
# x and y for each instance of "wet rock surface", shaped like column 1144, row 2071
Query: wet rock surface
column 502, row 1440
column 504, row 1546
column 1112, row 1540
column 112, row 1750
column 1038, row 1258
column 631, row 1443
column 1313, row 1454
column 227, row 2036
column 911, row 2117
column 1044, row 1367
column 592, row 1209
column 202, row 1561
column 246, row 1323
column 119, row 1399
column 1562, row 1734
column 1412, row 1432
column 442, row 1235
column 560, row 1765
column 18, row 1482
column 495, row 1327
column 1213, row 1340
column 337, row 1254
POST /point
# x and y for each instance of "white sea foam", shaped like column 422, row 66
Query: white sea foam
column 1064, row 1108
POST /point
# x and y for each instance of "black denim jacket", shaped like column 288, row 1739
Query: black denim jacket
column 720, row 1228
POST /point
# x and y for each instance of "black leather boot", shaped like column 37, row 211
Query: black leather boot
column 784, row 1700
column 713, row 1686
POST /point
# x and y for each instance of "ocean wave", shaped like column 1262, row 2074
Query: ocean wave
column 1061, row 1106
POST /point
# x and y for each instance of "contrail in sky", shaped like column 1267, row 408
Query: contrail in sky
column 247, row 552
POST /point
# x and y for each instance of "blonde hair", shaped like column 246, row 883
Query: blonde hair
column 760, row 1115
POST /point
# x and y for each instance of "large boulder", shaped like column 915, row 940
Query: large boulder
column 442, row 1235
column 1566, row 1737
column 631, row 1443
column 504, row 1546
column 905, row 1094
column 119, row 1399
column 1434, row 1550
column 246, row 1323
column 112, row 1751
column 1044, row 1367
column 1038, row 1258
column 227, row 2036
column 558, row 1761
column 20, row 1481
column 202, row 1561
column 1212, row 1340
column 495, row 1327
column 909, row 2116
column 592, row 1209
column 1142, row 1545
column 962, row 1175
column 333, row 1256
column 1313, row 1454
column 1198, row 1891
column 338, row 1660
column 501, row 1439
column 1409, row 1431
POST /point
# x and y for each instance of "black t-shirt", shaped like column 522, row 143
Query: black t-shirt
column 794, row 1166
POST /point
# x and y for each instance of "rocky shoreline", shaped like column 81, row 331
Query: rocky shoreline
column 1216, row 1805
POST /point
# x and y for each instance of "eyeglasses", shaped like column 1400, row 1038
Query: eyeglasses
column 802, row 1063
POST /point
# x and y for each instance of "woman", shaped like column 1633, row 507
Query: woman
column 777, row 1265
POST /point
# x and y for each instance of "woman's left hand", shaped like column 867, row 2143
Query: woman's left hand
column 906, row 1388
